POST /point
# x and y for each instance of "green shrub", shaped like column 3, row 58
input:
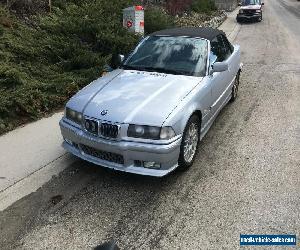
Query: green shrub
column 156, row 19
column 11, row 77
column 203, row 6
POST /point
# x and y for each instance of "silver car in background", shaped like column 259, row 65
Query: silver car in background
column 148, row 115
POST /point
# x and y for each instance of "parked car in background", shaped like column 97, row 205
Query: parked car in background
column 250, row 10
column 148, row 115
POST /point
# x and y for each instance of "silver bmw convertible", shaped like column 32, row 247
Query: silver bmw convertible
column 149, row 114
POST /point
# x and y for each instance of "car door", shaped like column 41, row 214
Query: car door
column 221, row 51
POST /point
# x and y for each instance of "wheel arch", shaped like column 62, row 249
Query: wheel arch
column 198, row 113
column 182, row 161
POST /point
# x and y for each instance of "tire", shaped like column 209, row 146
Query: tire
column 189, row 144
column 235, row 87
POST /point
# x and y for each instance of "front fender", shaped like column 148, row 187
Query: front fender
column 188, row 112
column 195, row 101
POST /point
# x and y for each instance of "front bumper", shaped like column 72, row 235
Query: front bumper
column 167, row 155
column 248, row 16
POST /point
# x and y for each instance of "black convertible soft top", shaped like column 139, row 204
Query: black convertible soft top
column 203, row 32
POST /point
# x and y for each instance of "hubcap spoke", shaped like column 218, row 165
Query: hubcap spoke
column 235, row 89
column 190, row 142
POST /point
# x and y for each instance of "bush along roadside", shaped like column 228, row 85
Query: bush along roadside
column 157, row 19
column 212, row 19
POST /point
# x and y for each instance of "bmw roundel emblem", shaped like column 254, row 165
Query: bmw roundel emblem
column 104, row 112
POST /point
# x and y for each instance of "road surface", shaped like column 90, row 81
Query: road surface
column 245, row 180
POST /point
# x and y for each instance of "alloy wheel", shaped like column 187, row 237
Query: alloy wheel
column 191, row 142
column 235, row 88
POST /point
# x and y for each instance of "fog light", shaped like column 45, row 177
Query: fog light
column 151, row 164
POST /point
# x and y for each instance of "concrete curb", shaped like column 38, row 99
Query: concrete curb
column 30, row 155
column 34, row 181
column 230, row 26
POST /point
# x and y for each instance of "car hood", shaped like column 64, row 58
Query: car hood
column 130, row 96
column 251, row 7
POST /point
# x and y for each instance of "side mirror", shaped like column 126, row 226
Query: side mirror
column 239, row 4
column 219, row 67
column 121, row 58
column 116, row 60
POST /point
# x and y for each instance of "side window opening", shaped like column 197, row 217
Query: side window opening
column 228, row 44
column 221, row 49
column 217, row 49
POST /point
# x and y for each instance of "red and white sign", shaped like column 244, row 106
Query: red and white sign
column 133, row 19
column 139, row 7
column 129, row 24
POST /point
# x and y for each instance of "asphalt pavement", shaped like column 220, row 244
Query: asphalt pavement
column 245, row 180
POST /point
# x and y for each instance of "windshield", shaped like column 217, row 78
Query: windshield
column 250, row 2
column 173, row 55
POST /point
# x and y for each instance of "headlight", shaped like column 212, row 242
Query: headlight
column 258, row 11
column 150, row 132
column 166, row 133
column 241, row 11
column 73, row 115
